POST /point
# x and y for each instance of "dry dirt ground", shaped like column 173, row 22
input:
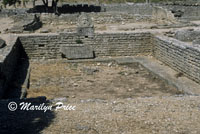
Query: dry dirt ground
column 150, row 115
column 5, row 23
column 113, row 99
column 95, row 80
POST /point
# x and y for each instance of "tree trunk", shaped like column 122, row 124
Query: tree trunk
column 46, row 5
column 33, row 3
column 147, row 1
column 54, row 6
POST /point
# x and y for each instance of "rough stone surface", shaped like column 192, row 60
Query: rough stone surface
column 86, row 31
column 184, row 11
column 187, row 34
column 77, row 52
column 25, row 22
column 85, row 25
column 84, row 21
column 143, row 9
column 97, row 18
column 106, row 44
column 161, row 14
column 180, row 56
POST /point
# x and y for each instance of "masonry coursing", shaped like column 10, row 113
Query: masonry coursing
column 189, row 12
column 105, row 44
column 180, row 56
column 97, row 18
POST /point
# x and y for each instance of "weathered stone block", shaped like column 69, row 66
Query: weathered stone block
column 85, row 31
column 85, row 26
column 77, row 52
column 187, row 34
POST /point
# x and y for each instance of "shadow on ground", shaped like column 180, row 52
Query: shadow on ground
column 20, row 79
column 23, row 121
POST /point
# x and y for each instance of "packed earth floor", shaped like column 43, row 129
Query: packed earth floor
column 113, row 99
column 95, row 81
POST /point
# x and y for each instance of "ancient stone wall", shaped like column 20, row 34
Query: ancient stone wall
column 183, row 11
column 180, row 56
column 42, row 46
column 142, row 9
column 9, row 56
column 187, row 35
column 187, row 12
column 97, row 18
column 106, row 44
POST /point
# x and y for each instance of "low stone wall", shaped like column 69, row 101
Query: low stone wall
column 105, row 44
column 9, row 56
column 41, row 46
column 188, row 12
column 185, row 11
column 140, row 8
column 97, row 18
column 180, row 56
column 187, row 35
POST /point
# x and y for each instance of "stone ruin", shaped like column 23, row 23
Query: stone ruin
column 149, row 47
column 188, row 35
column 85, row 27
column 80, row 50
column 25, row 23
column 85, row 42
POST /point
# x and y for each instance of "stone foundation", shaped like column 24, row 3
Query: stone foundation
column 178, row 55
column 107, row 44
column 182, row 57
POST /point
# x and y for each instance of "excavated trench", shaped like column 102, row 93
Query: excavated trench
column 85, row 80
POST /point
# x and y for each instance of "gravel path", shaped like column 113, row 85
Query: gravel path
column 156, row 115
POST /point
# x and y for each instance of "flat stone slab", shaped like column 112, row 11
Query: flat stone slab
column 85, row 31
column 187, row 34
column 77, row 52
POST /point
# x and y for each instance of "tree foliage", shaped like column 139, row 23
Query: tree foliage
column 14, row 2
column 10, row 2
